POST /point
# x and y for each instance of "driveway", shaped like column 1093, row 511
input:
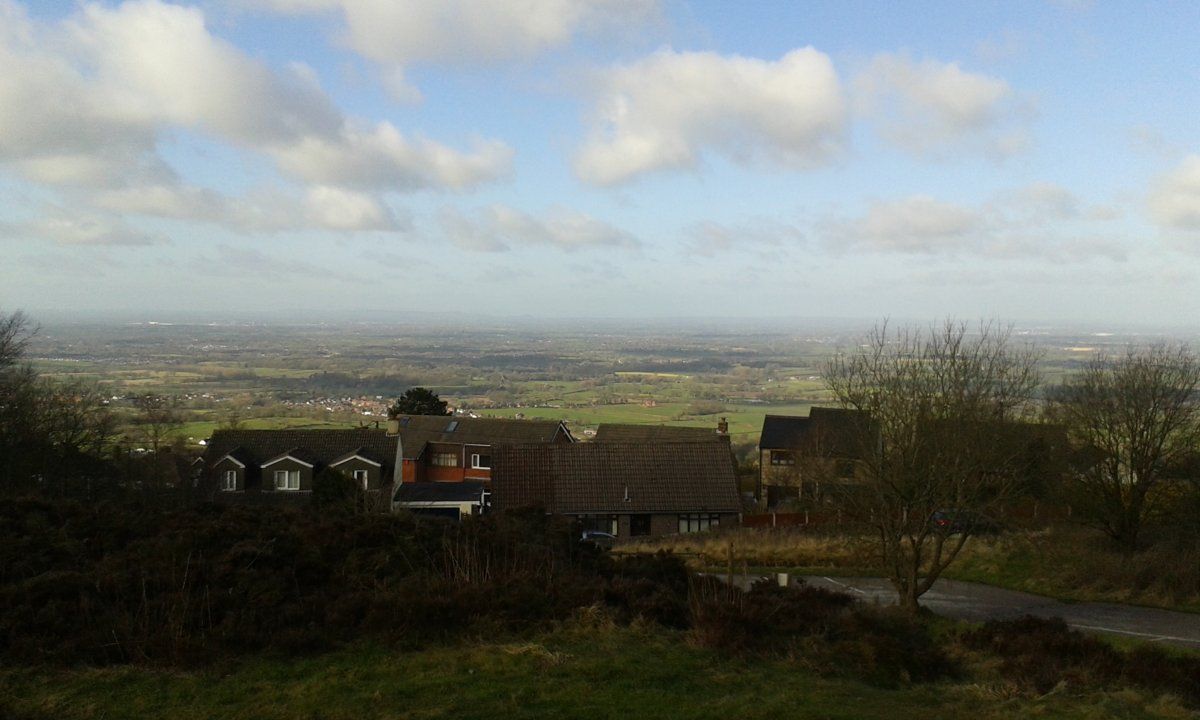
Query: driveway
column 976, row 603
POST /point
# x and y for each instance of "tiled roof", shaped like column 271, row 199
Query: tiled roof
column 322, row 446
column 830, row 431
column 419, row 430
column 616, row 477
column 427, row 492
column 327, row 445
column 621, row 432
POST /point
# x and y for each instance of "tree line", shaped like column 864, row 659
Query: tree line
column 951, row 422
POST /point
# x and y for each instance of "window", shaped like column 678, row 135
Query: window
column 444, row 459
column 698, row 522
column 601, row 523
column 452, row 426
column 287, row 479
column 229, row 480
column 481, row 462
column 639, row 525
column 782, row 457
column 362, row 477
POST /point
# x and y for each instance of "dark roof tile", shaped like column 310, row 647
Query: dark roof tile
column 616, row 477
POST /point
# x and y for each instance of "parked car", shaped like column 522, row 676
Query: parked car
column 599, row 538
column 959, row 521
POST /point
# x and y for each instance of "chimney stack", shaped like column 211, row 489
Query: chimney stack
column 723, row 427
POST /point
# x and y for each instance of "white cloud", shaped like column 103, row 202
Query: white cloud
column 338, row 209
column 64, row 227
column 710, row 239
column 1175, row 199
column 383, row 158
column 498, row 228
column 932, row 109
column 666, row 111
column 916, row 224
column 85, row 104
column 1042, row 221
column 399, row 32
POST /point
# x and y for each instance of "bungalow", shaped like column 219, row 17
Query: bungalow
column 626, row 489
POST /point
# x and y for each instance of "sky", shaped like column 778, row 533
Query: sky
column 1026, row 161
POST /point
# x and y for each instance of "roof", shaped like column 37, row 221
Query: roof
column 417, row 431
column 326, row 446
column 616, row 477
column 322, row 446
column 435, row 492
column 621, row 432
column 830, row 431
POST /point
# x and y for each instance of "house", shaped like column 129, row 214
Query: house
column 799, row 455
column 802, row 458
column 437, row 448
column 630, row 433
column 279, row 466
column 625, row 488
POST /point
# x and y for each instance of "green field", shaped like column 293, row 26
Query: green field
column 575, row 672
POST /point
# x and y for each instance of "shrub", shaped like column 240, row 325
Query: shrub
column 825, row 629
column 1038, row 654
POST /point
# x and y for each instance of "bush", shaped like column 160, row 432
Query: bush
column 1038, row 654
column 826, row 629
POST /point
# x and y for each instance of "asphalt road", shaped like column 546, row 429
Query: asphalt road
column 976, row 603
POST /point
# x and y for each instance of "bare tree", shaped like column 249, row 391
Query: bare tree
column 15, row 333
column 157, row 416
column 937, row 434
column 1136, row 421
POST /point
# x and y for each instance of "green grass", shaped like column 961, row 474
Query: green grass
column 202, row 429
column 570, row 673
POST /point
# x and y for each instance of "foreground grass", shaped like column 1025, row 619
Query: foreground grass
column 1066, row 563
column 576, row 672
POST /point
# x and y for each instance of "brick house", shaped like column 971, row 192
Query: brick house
column 627, row 489
column 799, row 455
column 279, row 466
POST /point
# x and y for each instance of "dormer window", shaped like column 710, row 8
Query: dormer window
column 287, row 479
column 362, row 477
column 229, row 481
column 481, row 462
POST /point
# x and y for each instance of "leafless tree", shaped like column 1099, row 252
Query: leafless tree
column 15, row 333
column 1136, row 420
column 157, row 416
column 937, row 431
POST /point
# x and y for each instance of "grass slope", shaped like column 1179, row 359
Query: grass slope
column 577, row 672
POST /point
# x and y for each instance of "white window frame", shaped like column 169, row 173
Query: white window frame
column 363, row 476
column 291, row 480
column 475, row 463
column 229, row 481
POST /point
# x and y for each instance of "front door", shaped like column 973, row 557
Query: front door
column 639, row 525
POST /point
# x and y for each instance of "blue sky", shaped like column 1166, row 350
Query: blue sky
column 1036, row 162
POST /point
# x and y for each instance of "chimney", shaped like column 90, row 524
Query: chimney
column 723, row 427
column 393, row 427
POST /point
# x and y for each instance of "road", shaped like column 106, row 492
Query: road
column 976, row 603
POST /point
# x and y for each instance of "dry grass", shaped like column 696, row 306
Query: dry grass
column 1066, row 562
column 780, row 547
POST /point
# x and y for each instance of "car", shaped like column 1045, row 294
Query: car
column 599, row 538
column 953, row 522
